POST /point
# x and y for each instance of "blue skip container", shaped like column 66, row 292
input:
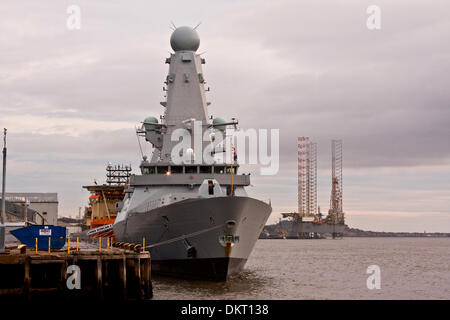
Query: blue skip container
column 28, row 235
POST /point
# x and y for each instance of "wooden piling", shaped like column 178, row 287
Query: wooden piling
column 123, row 276
column 63, row 283
column 99, row 278
column 27, row 280
column 137, row 271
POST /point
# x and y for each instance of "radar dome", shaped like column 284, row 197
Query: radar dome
column 217, row 123
column 149, row 123
column 185, row 39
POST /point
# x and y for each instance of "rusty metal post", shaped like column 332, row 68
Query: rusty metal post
column 147, row 281
column 123, row 276
column 62, row 284
column 99, row 278
column 137, row 271
column 27, row 279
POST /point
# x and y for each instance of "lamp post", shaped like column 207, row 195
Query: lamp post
column 3, row 218
column 25, row 213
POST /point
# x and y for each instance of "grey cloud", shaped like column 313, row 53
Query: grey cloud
column 309, row 68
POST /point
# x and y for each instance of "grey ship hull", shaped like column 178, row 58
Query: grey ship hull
column 197, row 223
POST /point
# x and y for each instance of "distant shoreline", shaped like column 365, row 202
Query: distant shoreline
column 272, row 232
column 353, row 232
column 366, row 237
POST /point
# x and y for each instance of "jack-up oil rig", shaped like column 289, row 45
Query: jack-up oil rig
column 309, row 222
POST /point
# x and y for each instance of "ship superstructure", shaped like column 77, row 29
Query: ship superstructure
column 102, row 210
column 195, row 216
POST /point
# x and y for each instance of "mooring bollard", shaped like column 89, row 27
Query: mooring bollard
column 22, row 248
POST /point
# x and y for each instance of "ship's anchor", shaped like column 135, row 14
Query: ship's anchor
column 191, row 251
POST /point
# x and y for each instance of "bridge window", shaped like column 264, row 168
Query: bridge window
column 176, row 169
column 205, row 169
column 148, row 170
column 163, row 169
column 229, row 170
column 191, row 169
column 219, row 169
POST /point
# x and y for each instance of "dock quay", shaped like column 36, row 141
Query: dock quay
column 115, row 274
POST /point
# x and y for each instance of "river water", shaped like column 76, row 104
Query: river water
column 410, row 268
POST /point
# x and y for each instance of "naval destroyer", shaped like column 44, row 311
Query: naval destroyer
column 196, row 217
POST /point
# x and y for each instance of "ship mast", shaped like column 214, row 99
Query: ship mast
column 185, row 91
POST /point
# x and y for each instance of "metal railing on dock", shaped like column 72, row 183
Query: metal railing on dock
column 115, row 274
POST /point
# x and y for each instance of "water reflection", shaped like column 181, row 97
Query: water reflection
column 241, row 286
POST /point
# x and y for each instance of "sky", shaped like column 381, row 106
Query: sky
column 72, row 98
